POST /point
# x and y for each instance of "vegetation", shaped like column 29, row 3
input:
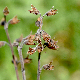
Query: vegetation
column 64, row 27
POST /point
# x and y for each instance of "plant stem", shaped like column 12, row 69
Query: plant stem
column 6, row 30
column 38, row 73
column 22, row 62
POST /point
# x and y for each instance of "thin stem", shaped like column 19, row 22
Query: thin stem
column 6, row 30
column 38, row 73
column 22, row 62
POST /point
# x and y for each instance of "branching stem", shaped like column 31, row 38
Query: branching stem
column 6, row 30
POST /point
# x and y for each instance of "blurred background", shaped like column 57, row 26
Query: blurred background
column 64, row 26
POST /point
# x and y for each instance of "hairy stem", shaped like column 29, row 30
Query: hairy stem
column 6, row 30
column 22, row 62
column 38, row 73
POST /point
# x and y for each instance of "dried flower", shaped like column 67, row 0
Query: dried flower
column 14, row 20
column 27, row 60
column 19, row 39
column 34, row 10
column 51, row 12
column 37, row 36
column 6, row 11
column 29, row 40
column 31, row 50
column 45, row 36
column 39, row 47
column 39, row 21
column 48, row 66
column 2, row 43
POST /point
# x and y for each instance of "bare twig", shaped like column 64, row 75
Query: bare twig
column 22, row 61
column 6, row 30
column 38, row 74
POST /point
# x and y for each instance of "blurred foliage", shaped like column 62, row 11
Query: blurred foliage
column 64, row 26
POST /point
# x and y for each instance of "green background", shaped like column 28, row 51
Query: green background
column 64, row 26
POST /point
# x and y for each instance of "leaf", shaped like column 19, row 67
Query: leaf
column 6, row 11
column 14, row 20
column 31, row 50
column 34, row 10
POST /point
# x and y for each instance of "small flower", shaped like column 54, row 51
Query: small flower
column 34, row 10
column 6, row 11
column 14, row 20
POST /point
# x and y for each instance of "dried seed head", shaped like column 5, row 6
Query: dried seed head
column 31, row 50
column 14, row 20
column 39, row 47
column 51, row 12
column 45, row 36
column 29, row 40
column 34, row 10
column 6, row 11
column 48, row 66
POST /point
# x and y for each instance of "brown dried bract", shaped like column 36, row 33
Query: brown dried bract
column 6, row 11
column 19, row 39
column 48, row 66
column 27, row 60
column 51, row 12
column 39, row 47
column 39, row 22
column 29, row 40
column 31, row 50
column 34, row 10
column 51, row 44
column 14, row 20
column 2, row 43
column 45, row 36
